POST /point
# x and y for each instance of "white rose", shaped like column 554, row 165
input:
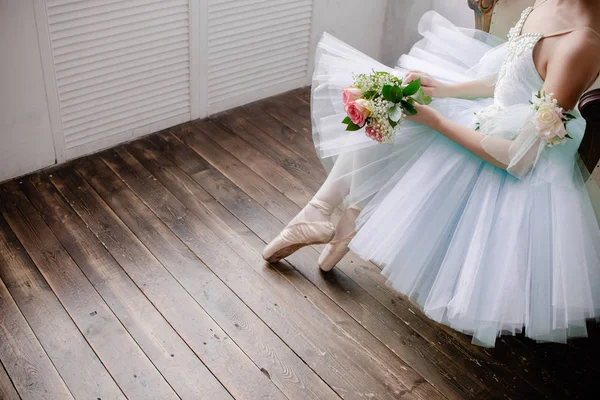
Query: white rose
column 547, row 121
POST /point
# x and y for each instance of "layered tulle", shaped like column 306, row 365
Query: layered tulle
column 475, row 247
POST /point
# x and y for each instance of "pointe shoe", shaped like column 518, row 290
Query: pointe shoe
column 300, row 234
column 334, row 252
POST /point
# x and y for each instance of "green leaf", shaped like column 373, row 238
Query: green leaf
column 396, row 94
column 352, row 127
column 395, row 113
column 392, row 123
column 408, row 108
column 369, row 94
column 421, row 98
column 386, row 92
column 412, row 87
column 346, row 120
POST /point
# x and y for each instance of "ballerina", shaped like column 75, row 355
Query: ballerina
column 477, row 210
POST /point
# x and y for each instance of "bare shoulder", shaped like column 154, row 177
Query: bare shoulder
column 573, row 66
column 580, row 46
column 578, row 51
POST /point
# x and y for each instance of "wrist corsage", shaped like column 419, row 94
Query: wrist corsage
column 550, row 119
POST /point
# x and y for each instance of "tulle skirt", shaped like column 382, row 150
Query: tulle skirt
column 474, row 247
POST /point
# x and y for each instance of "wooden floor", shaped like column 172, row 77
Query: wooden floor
column 136, row 273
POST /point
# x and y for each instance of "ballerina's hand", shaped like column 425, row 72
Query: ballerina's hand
column 431, row 86
column 426, row 116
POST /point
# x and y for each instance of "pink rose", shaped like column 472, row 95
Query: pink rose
column 560, row 113
column 374, row 134
column 350, row 93
column 558, row 129
column 358, row 111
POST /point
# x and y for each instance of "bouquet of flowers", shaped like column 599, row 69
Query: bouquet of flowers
column 550, row 119
column 379, row 102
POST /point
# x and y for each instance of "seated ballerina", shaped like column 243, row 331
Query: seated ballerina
column 476, row 210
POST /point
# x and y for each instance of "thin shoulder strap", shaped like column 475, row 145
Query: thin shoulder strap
column 564, row 32
column 583, row 28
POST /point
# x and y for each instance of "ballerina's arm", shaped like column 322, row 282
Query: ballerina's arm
column 475, row 89
column 568, row 74
column 468, row 138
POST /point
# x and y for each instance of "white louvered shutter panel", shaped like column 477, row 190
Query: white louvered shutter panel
column 256, row 48
column 122, row 68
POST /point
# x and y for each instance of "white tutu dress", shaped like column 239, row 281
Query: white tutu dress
column 481, row 249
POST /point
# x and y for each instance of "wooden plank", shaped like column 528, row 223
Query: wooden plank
column 275, row 307
column 559, row 370
column 295, row 165
column 304, row 94
column 189, row 192
column 78, row 365
column 180, row 154
column 294, row 140
column 7, row 390
column 428, row 361
column 294, row 102
column 168, row 352
column 272, row 200
column 129, row 366
column 279, row 178
column 29, row 367
column 153, row 152
column 288, row 117
column 223, row 357
column 253, row 159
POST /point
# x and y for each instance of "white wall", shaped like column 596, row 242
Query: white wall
column 402, row 18
column 359, row 23
column 25, row 137
column 382, row 29
column 457, row 11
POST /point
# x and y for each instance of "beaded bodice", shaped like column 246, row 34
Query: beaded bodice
column 518, row 77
